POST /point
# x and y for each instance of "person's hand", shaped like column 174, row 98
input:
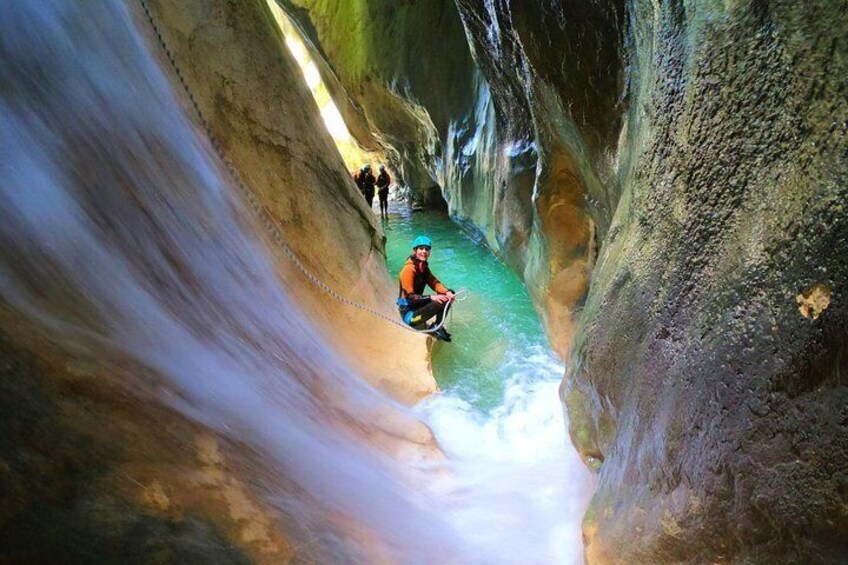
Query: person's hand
column 440, row 298
column 450, row 294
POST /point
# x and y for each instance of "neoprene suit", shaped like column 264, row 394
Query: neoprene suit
column 383, row 180
column 419, row 307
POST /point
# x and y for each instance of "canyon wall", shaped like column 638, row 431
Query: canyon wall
column 245, row 84
column 518, row 139
column 688, row 160
column 554, row 72
column 707, row 377
column 401, row 74
column 140, row 327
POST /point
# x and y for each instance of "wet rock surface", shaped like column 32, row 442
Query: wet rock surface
column 707, row 377
column 246, row 85
column 84, row 480
column 554, row 71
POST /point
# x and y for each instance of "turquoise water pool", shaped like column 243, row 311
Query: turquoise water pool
column 499, row 419
column 497, row 336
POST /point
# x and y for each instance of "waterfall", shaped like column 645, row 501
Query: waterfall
column 123, row 239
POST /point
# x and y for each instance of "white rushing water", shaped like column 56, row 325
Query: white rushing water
column 122, row 241
column 516, row 485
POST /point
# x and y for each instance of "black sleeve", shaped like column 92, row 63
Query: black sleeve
column 417, row 300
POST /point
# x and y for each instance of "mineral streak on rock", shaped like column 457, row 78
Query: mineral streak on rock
column 814, row 301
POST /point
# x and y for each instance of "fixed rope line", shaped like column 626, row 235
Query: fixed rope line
column 263, row 213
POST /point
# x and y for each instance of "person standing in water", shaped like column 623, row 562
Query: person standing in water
column 383, row 180
column 365, row 182
column 415, row 307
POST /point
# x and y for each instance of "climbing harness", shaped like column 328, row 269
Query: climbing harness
column 459, row 296
column 263, row 214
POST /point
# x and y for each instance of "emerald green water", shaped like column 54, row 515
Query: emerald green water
column 497, row 336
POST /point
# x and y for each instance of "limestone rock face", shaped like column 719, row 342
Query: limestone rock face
column 517, row 140
column 707, row 376
column 553, row 70
column 401, row 74
column 246, row 86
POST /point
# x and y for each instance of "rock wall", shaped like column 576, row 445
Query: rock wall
column 707, row 377
column 95, row 461
column 554, row 72
column 245, row 84
column 512, row 139
column 401, row 74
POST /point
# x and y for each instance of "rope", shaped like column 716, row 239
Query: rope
column 459, row 296
column 265, row 216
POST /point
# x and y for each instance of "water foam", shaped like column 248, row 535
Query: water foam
column 515, row 482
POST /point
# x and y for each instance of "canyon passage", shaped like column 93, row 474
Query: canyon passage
column 201, row 359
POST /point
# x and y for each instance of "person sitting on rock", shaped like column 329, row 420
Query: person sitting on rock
column 417, row 308
column 365, row 181
column 383, row 180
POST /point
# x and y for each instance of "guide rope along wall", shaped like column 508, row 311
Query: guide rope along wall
column 265, row 216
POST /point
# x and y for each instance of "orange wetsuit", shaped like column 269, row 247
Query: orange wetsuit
column 418, row 307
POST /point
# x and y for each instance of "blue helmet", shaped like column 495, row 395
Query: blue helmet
column 422, row 241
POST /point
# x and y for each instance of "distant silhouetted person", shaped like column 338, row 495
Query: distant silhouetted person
column 383, row 181
column 365, row 181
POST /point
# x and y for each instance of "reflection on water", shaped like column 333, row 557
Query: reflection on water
column 120, row 239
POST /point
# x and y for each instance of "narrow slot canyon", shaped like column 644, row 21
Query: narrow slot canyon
column 640, row 206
